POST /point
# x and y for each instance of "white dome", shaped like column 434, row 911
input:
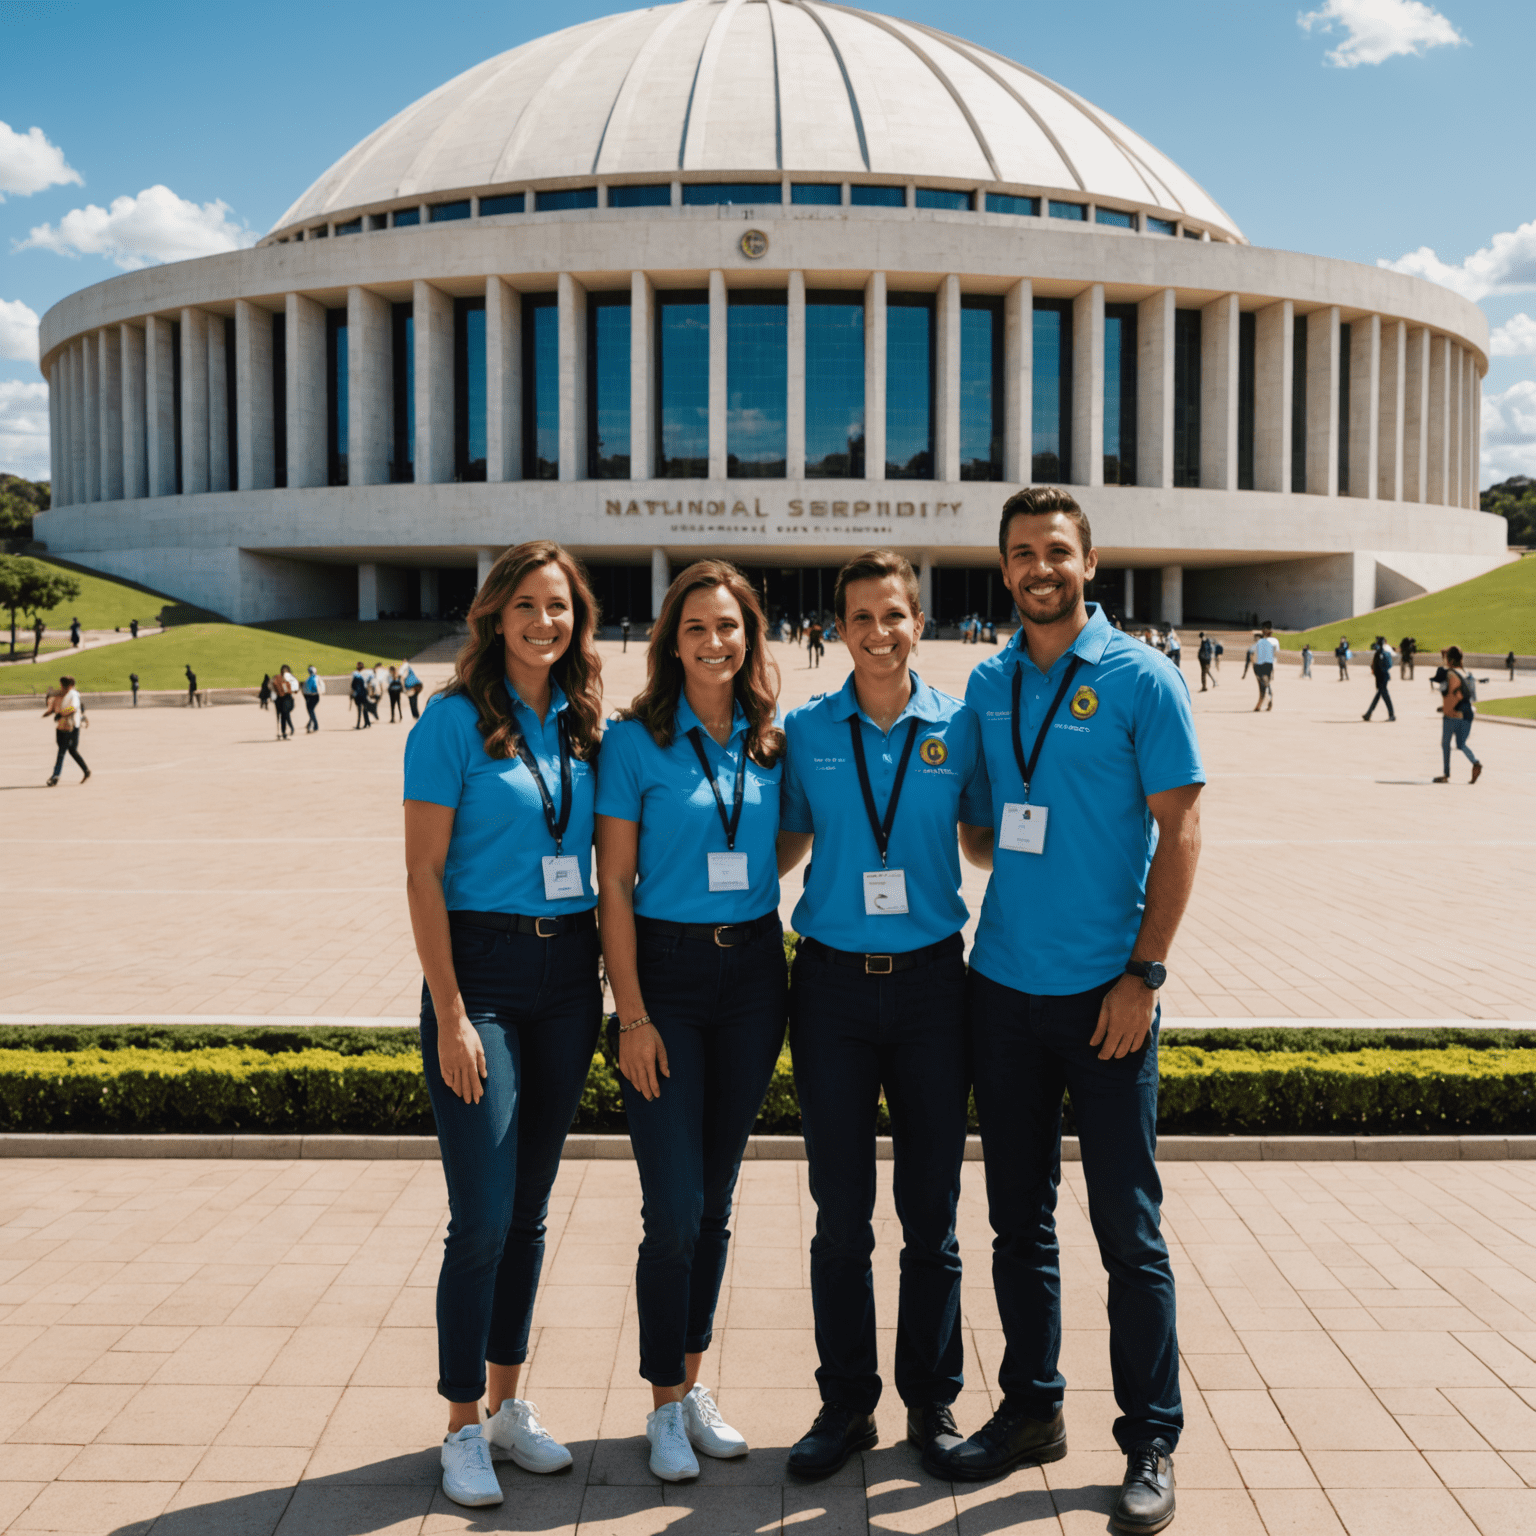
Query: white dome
column 754, row 87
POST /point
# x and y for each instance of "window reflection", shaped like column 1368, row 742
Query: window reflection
column 404, row 216
column 877, row 197
column 469, row 389
column 1115, row 218
column 682, row 385
column 1161, row 226
column 709, row 194
column 981, row 388
column 936, row 197
column 336, row 395
column 444, row 213
column 834, row 385
column 608, row 316
column 1119, row 394
column 541, row 387
column 1003, row 202
column 1186, row 397
column 402, row 418
column 506, row 202
column 757, row 384
column 909, row 386
column 1051, row 394
column 654, row 195
column 819, row 193
column 1069, row 210
column 567, row 197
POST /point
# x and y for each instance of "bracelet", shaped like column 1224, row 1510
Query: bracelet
column 644, row 1018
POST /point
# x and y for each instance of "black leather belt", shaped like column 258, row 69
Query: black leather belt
column 875, row 965
column 538, row 927
column 726, row 935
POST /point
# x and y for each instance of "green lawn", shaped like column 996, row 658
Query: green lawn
column 1493, row 613
column 1521, row 709
column 105, row 602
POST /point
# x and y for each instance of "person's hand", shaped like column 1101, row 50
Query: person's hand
column 1125, row 1018
column 461, row 1057
column 642, row 1055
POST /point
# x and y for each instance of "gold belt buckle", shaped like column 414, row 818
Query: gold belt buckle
column 723, row 928
column 871, row 969
column 538, row 928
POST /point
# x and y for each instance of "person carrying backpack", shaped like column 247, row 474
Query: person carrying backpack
column 312, row 688
column 1207, row 658
column 1457, row 712
column 1381, row 670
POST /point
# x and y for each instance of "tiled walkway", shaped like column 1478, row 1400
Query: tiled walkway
column 237, row 1349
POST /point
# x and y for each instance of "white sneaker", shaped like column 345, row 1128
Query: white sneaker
column 468, row 1476
column 672, row 1458
column 515, row 1434
column 707, row 1429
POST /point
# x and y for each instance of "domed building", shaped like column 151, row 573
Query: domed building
column 773, row 279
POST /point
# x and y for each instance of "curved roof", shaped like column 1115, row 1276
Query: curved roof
column 754, row 86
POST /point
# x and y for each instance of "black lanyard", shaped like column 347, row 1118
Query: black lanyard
column 731, row 822
column 530, row 762
column 881, row 829
column 1027, row 769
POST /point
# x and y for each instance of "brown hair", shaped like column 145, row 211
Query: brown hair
column 755, row 686
column 872, row 565
column 1039, row 501
column 1453, row 655
column 479, row 671
column 69, row 682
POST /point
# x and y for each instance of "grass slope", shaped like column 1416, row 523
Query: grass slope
column 107, row 602
column 1519, row 709
column 1492, row 613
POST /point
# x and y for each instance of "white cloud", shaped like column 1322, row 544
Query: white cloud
column 24, row 429
column 1507, row 264
column 1515, row 338
column 18, row 331
column 1509, row 432
column 139, row 231
column 28, row 162
column 1378, row 30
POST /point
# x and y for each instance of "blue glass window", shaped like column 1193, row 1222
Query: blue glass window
column 757, row 384
column 877, row 197
column 351, row 227
column 608, row 386
column 1247, row 356
column 981, row 388
column 1344, row 341
column 1299, row 404
column 682, row 385
column 444, row 213
column 823, row 193
column 541, row 387
column 1051, row 411
column 1119, row 394
column 506, row 202
column 569, row 197
column 1114, row 217
column 402, row 418
column 319, row 232
column 909, row 386
column 1069, row 210
column 709, row 194
column 1003, row 202
column 1191, row 234
column 653, row 195
column 405, row 216
column 336, row 395
column 469, row 389
column 279, row 399
column 834, row 385
column 1186, row 397
column 1161, row 226
column 938, row 197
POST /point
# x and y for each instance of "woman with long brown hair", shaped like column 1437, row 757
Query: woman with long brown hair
column 500, row 785
column 688, row 817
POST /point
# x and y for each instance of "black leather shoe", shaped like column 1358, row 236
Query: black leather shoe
column 932, row 1429
column 837, row 1433
column 1146, row 1496
column 1005, row 1441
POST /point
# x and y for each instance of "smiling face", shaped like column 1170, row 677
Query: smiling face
column 538, row 621
column 1045, row 567
column 880, row 626
column 711, row 638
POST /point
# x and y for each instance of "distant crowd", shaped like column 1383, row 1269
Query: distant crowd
column 368, row 687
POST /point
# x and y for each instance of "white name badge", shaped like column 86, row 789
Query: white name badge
column 885, row 892
column 562, row 877
column 1023, row 828
column 728, row 872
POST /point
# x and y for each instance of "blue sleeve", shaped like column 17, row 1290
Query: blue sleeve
column 436, row 754
column 976, row 792
column 794, row 807
column 619, row 787
column 1167, row 749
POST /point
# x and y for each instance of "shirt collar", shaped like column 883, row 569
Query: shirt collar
column 1090, row 644
column 923, row 705
column 557, row 702
column 686, row 720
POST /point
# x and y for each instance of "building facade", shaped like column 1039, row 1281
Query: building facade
column 777, row 280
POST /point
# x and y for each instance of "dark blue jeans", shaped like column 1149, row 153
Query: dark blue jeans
column 537, row 1006
column 720, row 1014
column 1027, row 1051
column 852, row 1034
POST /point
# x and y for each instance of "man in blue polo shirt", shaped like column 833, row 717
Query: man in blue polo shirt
column 1095, row 775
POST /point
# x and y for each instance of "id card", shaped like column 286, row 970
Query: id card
column 1023, row 828
column 562, row 877
column 885, row 892
column 728, row 872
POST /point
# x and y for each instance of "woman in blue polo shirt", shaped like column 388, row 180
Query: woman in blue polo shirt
column 499, row 791
column 880, row 774
column 688, row 815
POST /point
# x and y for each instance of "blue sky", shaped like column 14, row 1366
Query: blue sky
column 1381, row 129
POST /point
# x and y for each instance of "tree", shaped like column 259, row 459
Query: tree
column 29, row 586
column 20, row 501
column 1515, row 501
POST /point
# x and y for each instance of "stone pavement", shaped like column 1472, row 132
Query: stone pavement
column 207, row 869
column 238, row 1349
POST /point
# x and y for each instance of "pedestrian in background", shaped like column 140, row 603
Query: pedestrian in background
column 74, row 632
column 412, row 690
column 38, row 630
column 395, row 688
column 68, row 716
column 264, row 693
column 1175, row 648
column 1456, row 714
column 1206, row 655
column 192, row 697
column 312, row 687
column 1405, row 655
column 360, row 697
column 1341, row 655
column 375, row 691
column 1306, row 659
column 285, row 687
column 133, row 628
column 133, row 682
column 1265, row 649
column 1509, row 661
column 814, row 650
column 1381, row 670
column 624, row 636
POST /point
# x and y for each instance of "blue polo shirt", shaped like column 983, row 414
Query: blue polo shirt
column 499, row 835
column 665, row 791
column 946, row 783
column 1065, row 920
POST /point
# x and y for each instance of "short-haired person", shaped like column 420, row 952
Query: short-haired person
column 313, row 689
column 499, row 789
column 1089, row 742
column 880, row 774
column 1265, row 649
column 1456, row 714
column 688, row 819
column 68, row 713
column 285, row 688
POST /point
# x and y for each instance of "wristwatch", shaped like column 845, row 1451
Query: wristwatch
column 1153, row 972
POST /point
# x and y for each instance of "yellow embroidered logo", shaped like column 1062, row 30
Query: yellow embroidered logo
column 1085, row 702
column 933, row 752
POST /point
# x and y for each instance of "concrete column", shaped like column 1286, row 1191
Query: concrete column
column 719, row 357
column 1416, row 417
column 642, row 377
column 160, row 406
column 1273, row 360
column 1477, row 441
column 1364, row 407
column 1154, row 390
column 1470, row 445
column 1218, row 401
column 503, row 382
column 434, row 384
column 308, row 450
column 1458, row 396
column 1323, row 402
column 367, row 576
column 484, row 560
column 219, row 467
column 946, row 395
column 1439, row 419
column 194, row 402
column 370, row 386
column 429, row 592
column 1389, row 418
column 661, row 579
column 79, row 426
column 925, row 581
column 794, row 418
column 1018, row 380
column 90, row 392
column 1173, row 593
column 1130, row 593
column 874, row 377
column 56, row 483
column 1088, row 386
column 59, row 408
column 109, row 380
column 253, row 397
column 572, row 301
